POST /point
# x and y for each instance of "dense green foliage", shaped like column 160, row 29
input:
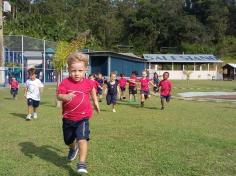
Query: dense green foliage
column 190, row 26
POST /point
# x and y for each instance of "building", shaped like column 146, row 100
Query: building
column 106, row 62
column 197, row 66
column 229, row 72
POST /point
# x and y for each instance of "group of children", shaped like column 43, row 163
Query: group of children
column 75, row 92
column 116, row 88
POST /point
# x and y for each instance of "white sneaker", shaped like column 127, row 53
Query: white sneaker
column 82, row 168
column 35, row 116
column 113, row 110
column 28, row 117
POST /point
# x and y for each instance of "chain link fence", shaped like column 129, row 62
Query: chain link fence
column 22, row 53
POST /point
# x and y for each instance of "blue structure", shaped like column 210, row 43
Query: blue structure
column 106, row 62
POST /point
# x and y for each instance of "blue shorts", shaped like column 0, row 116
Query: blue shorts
column 145, row 93
column 14, row 91
column 167, row 98
column 111, row 99
column 75, row 130
column 34, row 103
column 99, row 91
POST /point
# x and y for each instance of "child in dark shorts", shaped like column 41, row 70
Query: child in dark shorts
column 122, row 83
column 14, row 86
column 166, row 87
column 75, row 92
column 144, row 90
column 112, row 91
column 132, row 87
column 100, row 81
column 155, row 82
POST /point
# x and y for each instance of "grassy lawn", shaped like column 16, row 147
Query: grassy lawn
column 187, row 138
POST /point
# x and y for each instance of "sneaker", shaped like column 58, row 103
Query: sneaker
column 113, row 110
column 28, row 117
column 162, row 108
column 82, row 168
column 35, row 116
column 72, row 154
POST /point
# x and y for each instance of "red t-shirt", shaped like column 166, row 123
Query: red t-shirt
column 14, row 84
column 144, row 84
column 79, row 107
column 95, row 84
column 133, row 78
column 166, row 87
column 122, row 82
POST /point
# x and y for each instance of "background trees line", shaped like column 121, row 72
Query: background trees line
column 190, row 26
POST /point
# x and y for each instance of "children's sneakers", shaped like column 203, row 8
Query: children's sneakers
column 35, row 116
column 82, row 168
column 72, row 154
column 113, row 110
column 28, row 117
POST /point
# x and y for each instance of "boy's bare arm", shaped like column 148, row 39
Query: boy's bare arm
column 95, row 100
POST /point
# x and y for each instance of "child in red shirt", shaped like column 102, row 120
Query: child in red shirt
column 144, row 90
column 166, row 87
column 74, row 92
column 122, row 83
column 14, row 86
column 132, row 87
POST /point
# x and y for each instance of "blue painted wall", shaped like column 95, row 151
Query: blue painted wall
column 126, row 66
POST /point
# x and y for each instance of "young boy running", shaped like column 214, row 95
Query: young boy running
column 122, row 83
column 166, row 87
column 33, row 88
column 100, row 80
column 132, row 87
column 14, row 86
column 75, row 92
column 144, row 90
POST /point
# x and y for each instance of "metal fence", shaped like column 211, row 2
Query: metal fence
column 22, row 53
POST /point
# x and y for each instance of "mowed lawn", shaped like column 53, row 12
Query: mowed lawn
column 187, row 138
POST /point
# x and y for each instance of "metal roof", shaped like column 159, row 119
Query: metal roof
column 181, row 58
column 114, row 54
column 232, row 65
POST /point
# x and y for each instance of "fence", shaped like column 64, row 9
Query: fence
column 22, row 53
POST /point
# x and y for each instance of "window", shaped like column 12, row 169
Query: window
column 178, row 66
column 167, row 66
column 189, row 67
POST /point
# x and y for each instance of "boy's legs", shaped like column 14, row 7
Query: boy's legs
column 142, row 98
column 162, row 102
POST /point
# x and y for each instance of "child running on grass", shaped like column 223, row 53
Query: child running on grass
column 132, row 87
column 75, row 92
column 96, row 84
column 155, row 82
column 144, row 90
column 14, row 86
column 100, row 80
column 112, row 91
column 122, row 83
column 33, row 88
column 166, row 87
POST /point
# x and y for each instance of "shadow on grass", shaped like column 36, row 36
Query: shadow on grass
column 136, row 105
column 47, row 153
column 8, row 99
column 18, row 115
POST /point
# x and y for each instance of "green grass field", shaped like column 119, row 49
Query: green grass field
column 187, row 138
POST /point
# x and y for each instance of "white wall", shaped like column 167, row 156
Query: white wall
column 195, row 75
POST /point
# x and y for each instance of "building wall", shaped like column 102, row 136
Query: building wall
column 195, row 75
column 126, row 66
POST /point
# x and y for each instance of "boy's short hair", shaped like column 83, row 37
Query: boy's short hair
column 166, row 73
column 76, row 57
column 112, row 73
column 31, row 71
column 122, row 74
